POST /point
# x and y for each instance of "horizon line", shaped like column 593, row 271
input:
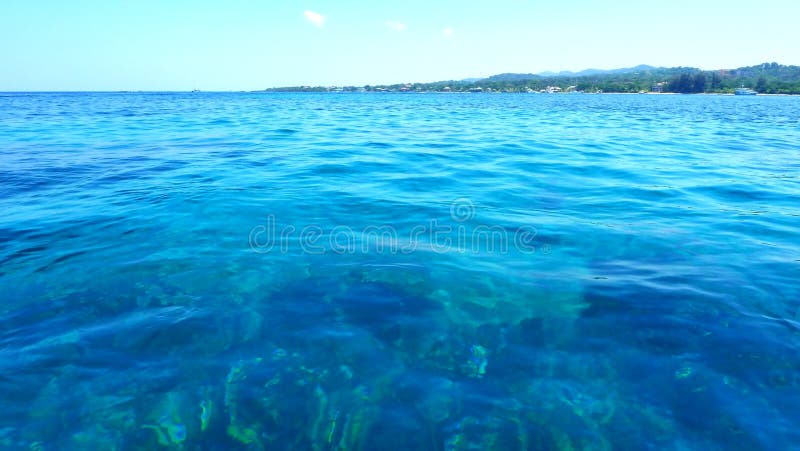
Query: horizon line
column 547, row 74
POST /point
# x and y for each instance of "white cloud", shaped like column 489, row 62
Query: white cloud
column 315, row 18
column 396, row 26
column 447, row 32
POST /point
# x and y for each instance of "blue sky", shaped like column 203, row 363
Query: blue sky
column 248, row 44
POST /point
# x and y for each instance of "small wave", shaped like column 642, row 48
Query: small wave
column 379, row 145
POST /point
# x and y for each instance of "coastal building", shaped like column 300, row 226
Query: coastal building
column 658, row 87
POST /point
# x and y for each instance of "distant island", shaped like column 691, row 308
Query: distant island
column 767, row 78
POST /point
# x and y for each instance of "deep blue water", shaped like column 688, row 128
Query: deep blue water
column 367, row 271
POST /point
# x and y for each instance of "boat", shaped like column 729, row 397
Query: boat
column 744, row 91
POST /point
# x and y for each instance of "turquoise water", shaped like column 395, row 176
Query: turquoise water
column 379, row 271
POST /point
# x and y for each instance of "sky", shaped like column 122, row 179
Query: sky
column 92, row 45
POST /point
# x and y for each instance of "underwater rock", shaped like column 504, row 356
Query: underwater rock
column 395, row 317
column 481, row 297
column 486, row 432
column 399, row 427
column 410, row 278
column 439, row 399
column 476, row 364
column 167, row 421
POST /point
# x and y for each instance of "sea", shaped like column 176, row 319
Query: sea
column 365, row 271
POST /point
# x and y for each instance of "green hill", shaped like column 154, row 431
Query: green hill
column 767, row 78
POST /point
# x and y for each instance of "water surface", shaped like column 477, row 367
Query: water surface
column 368, row 271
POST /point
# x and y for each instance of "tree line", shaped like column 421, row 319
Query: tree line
column 767, row 78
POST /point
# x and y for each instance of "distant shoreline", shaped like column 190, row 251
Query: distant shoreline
column 721, row 94
column 767, row 78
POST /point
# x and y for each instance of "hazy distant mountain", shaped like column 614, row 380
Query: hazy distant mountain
column 566, row 73
column 510, row 77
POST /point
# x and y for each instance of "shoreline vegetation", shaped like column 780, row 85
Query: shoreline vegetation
column 767, row 78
